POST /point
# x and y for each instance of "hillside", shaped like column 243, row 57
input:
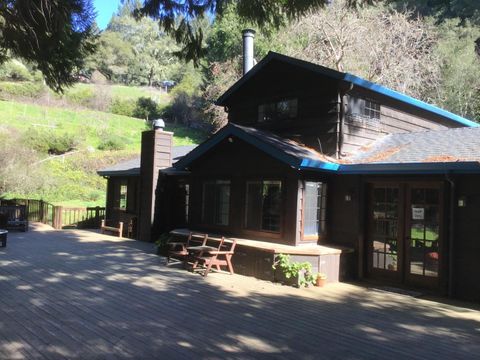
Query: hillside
column 98, row 139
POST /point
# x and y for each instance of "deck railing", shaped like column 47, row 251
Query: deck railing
column 60, row 217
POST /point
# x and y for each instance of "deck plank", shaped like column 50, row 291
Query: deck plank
column 82, row 295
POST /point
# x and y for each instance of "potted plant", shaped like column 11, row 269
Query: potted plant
column 320, row 279
column 295, row 273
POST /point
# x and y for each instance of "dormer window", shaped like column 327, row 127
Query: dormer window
column 372, row 110
column 283, row 110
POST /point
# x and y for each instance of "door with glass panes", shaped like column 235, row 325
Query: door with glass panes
column 404, row 232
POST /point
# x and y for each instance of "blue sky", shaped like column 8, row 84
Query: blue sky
column 105, row 9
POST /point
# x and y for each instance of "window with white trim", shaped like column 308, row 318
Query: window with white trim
column 314, row 208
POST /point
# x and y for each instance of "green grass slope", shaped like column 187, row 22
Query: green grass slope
column 71, row 179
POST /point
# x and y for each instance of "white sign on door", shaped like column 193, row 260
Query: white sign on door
column 418, row 213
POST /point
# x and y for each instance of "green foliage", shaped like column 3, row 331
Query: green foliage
column 295, row 270
column 55, row 35
column 465, row 10
column 225, row 43
column 15, row 70
column 135, row 52
column 460, row 68
column 10, row 90
column 50, row 143
column 124, row 107
column 146, row 108
column 183, row 18
column 70, row 179
column 111, row 143
column 80, row 95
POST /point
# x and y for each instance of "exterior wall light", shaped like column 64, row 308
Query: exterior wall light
column 462, row 201
column 348, row 197
column 230, row 140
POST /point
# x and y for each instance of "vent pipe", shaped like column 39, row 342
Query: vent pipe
column 248, row 36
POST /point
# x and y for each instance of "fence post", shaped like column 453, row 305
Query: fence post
column 41, row 211
column 57, row 217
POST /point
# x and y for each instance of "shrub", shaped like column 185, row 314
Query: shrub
column 10, row 90
column 124, row 107
column 111, row 143
column 15, row 70
column 147, row 109
column 81, row 95
column 50, row 143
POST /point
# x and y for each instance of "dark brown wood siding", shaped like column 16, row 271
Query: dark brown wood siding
column 345, row 220
column 113, row 213
column 359, row 130
column 240, row 162
column 466, row 246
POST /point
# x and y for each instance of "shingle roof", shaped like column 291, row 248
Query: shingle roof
column 132, row 167
column 451, row 145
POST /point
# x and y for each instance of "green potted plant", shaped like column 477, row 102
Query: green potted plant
column 320, row 279
column 295, row 273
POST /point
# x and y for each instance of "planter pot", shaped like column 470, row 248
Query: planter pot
column 320, row 282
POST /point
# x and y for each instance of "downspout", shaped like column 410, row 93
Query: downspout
column 341, row 118
column 451, row 235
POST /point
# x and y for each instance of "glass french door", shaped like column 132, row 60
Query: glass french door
column 404, row 233
column 384, row 231
column 423, row 230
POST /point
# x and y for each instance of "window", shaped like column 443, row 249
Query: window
column 315, row 201
column 123, row 196
column 283, row 110
column 216, row 202
column 372, row 109
column 263, row 205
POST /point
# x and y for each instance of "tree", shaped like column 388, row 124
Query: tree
column 179, row 18
column 135, row 52
column 56, row 35
column 381, row 45
column 459, row 90
column 465, row 10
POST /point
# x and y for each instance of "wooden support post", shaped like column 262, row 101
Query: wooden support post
column 120, row 233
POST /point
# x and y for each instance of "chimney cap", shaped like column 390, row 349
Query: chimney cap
column 247, row 32
column 158, row 124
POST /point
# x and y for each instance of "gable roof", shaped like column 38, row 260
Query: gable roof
column 132, row 167
column 455, row 150
column 345, row 77
column 282, row 149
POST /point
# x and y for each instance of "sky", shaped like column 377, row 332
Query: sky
column 105, row 9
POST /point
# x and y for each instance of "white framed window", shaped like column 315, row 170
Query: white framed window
column 372, row 110
column 314, row 208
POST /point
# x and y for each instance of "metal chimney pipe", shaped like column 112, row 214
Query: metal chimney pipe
column 248, row 36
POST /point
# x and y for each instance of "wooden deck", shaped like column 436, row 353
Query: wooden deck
column 81, row 295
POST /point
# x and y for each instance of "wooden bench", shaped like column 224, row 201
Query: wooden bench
column 104, row 228
column 3, row 238
column 178, row 249
column 218, row 256
column 16, row 216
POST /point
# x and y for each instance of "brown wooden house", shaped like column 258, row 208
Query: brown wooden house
column 364, row 182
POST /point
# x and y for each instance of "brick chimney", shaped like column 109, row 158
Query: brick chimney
column 156, row 154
